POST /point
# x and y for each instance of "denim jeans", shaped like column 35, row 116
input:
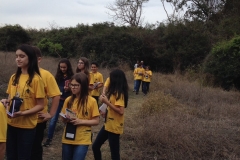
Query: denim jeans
column 138, row 83
column 74, row 152
column 135, row 85
column 145, row 87
column 37, row 149
column 19, row 143
column 113, row 140
column 53, row 121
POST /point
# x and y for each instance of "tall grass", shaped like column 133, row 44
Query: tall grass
column 183, row 120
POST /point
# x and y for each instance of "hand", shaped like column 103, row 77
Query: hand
column 66, row 88
column 5, row 102
column 17, row 114
column 65, row 120
column 46, row 116
column 75, row 121
column 103, row 99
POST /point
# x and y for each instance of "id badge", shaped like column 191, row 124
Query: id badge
column 70, row 131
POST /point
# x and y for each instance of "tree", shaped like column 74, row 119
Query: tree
column 127, row 12
column 11, row 36
column 197, row 9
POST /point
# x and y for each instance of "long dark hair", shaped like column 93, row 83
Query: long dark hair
column 82, row 79
column 118, row 85
column 86, row 66
column 59, row 75
column 32, row 64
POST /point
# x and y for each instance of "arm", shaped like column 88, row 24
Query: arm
column 2, row 150
column 104, row 90
column 118, row 109
column 99, row 85
column 35, row 109
column 83, row 122
column 54, row 106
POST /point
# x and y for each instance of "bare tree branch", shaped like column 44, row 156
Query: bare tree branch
column 127, row 11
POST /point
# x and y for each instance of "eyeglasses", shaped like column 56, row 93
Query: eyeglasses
column 74, row 85
column 80, row 62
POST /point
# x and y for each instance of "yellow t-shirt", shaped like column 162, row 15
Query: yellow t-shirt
column 114, row 121
column 83, row 133
column 51, row 88
column 97, row 77
column 138, row 73
column 29, row 95
column 107, row 82
column 90, row 79
column 147, row 76
column 3, row 123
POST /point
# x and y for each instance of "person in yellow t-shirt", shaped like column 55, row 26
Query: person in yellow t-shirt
column 77, row 132
column 146, row 80
column 53, row 92
column 116, row 100
column 138, row 74
column 26, row 90
column 3, row 131
column 98, row 81
column 83, row 66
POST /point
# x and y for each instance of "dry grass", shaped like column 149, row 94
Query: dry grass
column 178, row 119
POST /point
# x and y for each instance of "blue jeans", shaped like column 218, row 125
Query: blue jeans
column 145, row 87
column 135, row 85
column 53, row 121
column 74, row 152
column 19, row 143
column 138, row 83
column 113, row 140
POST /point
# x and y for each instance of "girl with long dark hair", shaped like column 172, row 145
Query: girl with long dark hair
column 116, row 99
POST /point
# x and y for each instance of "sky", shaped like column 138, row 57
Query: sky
column 68, row 13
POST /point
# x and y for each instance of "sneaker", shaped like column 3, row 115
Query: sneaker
column 133, row 90
column 47, row 143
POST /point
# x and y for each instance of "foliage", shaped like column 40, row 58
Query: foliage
column 49, row 47
column 223, row 63
column 11, row 36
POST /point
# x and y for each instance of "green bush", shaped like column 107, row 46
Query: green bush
column 223, row 63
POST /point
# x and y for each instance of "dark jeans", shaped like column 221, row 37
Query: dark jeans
column 113, row 140
column 53, row 121
column 74, row 152
column 145, row 87
column 96, row 97
column 135, row 85
column 19, row 143
column 138, row 84
column 37, row 149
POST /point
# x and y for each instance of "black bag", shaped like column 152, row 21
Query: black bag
column 70, row 131
column 15, row 105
